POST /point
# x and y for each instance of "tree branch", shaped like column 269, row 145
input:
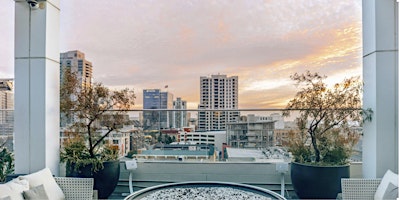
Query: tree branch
column 102, row 137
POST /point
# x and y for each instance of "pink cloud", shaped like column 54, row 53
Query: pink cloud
column 145, row 43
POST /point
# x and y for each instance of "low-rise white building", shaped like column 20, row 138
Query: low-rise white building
column 216, row 138
column 120, row 139
column 255, row 132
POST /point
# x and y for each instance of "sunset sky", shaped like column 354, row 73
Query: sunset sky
column 150, row 44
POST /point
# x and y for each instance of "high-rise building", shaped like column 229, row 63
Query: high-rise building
column 6, row 109
column 218, row 92
column 76, row 61
column 156, row 120
column 180, row 117
column 6, row 94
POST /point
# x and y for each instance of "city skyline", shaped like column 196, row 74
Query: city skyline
column 145, row 45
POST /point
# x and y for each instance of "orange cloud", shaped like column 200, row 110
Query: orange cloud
column 343, row 50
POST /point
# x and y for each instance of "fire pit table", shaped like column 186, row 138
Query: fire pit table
column 204, row 190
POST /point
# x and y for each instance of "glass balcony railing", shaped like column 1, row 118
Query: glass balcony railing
column 144, row 129
column 184, row 145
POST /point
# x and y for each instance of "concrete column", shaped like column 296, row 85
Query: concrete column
column 37, row 78
column 380, row 74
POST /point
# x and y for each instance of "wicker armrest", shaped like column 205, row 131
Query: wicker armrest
column 76, row 188
column 358, row 188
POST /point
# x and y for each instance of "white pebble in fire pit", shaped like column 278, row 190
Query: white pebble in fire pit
column 203, row 193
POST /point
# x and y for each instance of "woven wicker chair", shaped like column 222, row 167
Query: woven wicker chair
column 358, row 188
column 76, row 188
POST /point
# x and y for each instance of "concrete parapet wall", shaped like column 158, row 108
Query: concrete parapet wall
column 150, row 173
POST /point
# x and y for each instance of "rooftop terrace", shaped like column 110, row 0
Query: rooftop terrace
column 37, row 104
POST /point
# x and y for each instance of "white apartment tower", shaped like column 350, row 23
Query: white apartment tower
column 76, row 61
column 6, row 106
column 180, row 119
column 6, row 94
column 219, row 93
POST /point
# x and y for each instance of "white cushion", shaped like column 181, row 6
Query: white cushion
column 13, row 189
column 389, row 179
column 45, row 177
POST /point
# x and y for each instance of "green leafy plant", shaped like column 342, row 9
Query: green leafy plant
column 94, row 112
column 6, row 162
column 325, row 136
column 75, row 152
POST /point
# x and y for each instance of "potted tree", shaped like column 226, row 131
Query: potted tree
column 323, row 144
column 89, row 114
column 6, row 161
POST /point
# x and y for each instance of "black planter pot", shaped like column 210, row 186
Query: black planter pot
column 317, row 182
column 105, row 180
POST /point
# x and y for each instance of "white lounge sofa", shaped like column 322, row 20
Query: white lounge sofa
column 76, row 188
column 386, row 188
column 42, row 185
column 358, row 188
